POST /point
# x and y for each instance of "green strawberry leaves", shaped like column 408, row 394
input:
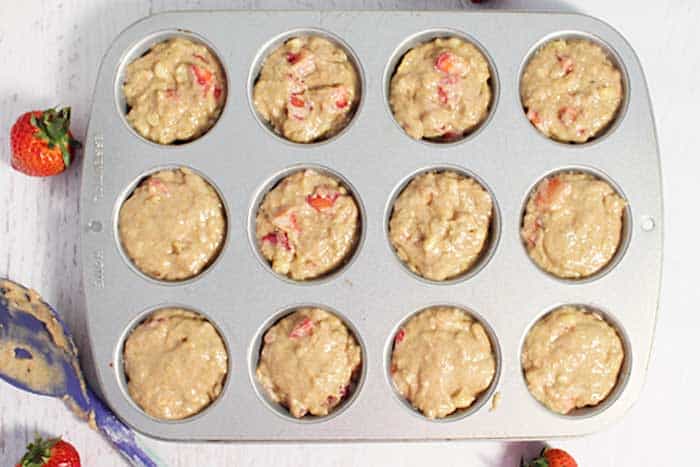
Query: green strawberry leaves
column 53, row 127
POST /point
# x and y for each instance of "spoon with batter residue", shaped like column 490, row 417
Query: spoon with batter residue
column 37, row 354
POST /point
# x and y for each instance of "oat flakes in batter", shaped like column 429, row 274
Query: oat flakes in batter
column 572, row 359
column 573, row 224
column 442, row 361
column 175, row 363
column 308, row 225
column 308, row 89
column 571, row 90
column 441, row 89
column 440, row 224
column 173, row 225
column 309, row 362
column 175, row 92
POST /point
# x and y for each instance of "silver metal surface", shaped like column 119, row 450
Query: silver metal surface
column 374, row 293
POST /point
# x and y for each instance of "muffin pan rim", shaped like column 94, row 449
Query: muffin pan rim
column 100, row 273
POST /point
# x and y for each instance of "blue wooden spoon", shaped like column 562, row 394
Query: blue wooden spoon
column 37, row 354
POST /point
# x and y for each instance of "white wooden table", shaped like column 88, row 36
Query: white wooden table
column 50, row 51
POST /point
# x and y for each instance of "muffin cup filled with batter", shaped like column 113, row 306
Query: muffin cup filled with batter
column 175, row 364
column 573, row 360
column 443, row 225
column 173, row 225
column 574, row 225
column 444, row 362
column 572, row 89
column 442, row 89
column 308, row 225
column 307, row 88
column 310, row 363
column 174, row 92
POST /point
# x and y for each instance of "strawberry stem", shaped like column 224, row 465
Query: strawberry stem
column 38, row 452
column 53, row 126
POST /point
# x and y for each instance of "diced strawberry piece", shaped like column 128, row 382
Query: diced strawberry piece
column 296, row 84
column 298, row 108
column 305, row 64
column 445, row 62
column 446, row 81
column 567, row 115
column 286, row 220
column 548, row 192
column 534, row 117
column 296, row 101
column 303, row 328
column 450, row 135
column 283, row 240
column 156, row 185
column 293, row 57
column 203, row 76
column 171, row 93
column 217, row 92
column 399, row 336
column 566, row 63
column 442, row 95
column 269, row 338
column 201, row 58
column 341, row 97
column 270, row 238
column 322, row 199
column 278, row 238
column 293, row 220
column 532, row 239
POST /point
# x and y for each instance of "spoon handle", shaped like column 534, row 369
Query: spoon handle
column 121, row 436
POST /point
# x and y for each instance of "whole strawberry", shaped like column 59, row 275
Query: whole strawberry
column 551, row 458
column 42, row 143
column 50, row 453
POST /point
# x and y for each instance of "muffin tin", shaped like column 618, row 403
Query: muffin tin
column 373, row 292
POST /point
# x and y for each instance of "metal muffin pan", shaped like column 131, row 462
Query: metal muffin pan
column 373, row 292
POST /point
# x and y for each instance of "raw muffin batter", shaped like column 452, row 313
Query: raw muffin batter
column 37, row 359
column 442, row 361
column 440, row 223
column 571, row 359
column 573, row 224
column 307, row 225
column 309, row 361
column 175, row 363
column 175, row 92
column 173, row 225
column 307, row 89
column 571, row 90
column 441, row 89
column 36, row 372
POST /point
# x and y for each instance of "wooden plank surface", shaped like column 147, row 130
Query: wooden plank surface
column 50, row 52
